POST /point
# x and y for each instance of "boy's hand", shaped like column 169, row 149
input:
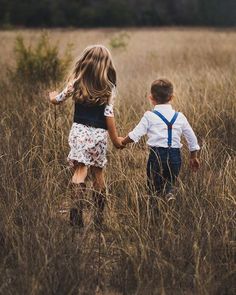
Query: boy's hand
column 123, row 142
column 126, row 140
column 194, row 164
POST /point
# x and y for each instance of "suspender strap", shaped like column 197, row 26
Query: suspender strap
column 168, row 123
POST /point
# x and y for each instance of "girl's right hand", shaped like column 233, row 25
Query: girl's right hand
column 119, row 144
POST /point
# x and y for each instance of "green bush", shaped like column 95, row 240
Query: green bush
column 120, row 40
column 41, row 63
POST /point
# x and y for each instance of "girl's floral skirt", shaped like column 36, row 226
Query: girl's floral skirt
column 88, row 145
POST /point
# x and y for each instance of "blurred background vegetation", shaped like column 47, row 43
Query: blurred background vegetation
column 90, row 13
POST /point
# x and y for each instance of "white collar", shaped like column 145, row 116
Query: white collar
column 166, row 106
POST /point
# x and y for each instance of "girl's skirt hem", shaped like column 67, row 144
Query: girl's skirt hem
column 73, row 162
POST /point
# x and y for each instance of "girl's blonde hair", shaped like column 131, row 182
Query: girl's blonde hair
column 94, row 76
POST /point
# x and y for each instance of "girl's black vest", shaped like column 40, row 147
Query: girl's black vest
column 90, row 115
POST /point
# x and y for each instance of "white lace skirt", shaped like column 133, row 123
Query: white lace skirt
column 88, row 145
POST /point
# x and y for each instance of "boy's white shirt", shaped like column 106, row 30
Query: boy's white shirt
column 156, row 129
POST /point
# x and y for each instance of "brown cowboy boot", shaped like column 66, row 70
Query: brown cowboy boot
column 76, row 213
column 99, row 203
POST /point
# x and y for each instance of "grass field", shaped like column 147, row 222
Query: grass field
column 188, row 248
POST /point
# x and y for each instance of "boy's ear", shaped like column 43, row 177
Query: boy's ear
column 171, row 97
column 150, row 96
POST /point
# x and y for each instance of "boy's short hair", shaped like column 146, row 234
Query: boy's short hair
column 162, row 90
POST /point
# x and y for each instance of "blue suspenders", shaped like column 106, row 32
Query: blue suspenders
column 168, row 123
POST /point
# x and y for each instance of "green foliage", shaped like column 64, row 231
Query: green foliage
column 122, row 13
column 120, row 41
column 41, row 63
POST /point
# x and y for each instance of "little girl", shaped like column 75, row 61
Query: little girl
column 92, row 88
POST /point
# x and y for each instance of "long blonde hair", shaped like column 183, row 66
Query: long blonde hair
column 94, row 76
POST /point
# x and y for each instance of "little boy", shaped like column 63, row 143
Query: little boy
column 164, row 128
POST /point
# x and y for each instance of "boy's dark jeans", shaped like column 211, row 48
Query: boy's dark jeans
column 163, row 168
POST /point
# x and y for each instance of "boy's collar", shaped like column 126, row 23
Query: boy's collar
column 163, row 106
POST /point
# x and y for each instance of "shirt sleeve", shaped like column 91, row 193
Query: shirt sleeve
column 140, row 130
column 66, row 93
column 190, row 136
column 108, row 112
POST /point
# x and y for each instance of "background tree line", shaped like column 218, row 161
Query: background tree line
column 90, row 13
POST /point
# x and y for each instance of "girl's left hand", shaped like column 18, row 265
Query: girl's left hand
column 52, row 97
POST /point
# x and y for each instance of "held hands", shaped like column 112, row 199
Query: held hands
column 122, row 142
column 119, row 144
column 194, row 164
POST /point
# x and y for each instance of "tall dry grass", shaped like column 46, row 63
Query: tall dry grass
column 188, row 248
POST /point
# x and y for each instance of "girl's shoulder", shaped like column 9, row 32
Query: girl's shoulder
column 113, row 91
column 113, row 96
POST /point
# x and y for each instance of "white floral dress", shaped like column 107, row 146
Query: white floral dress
column 88, row 145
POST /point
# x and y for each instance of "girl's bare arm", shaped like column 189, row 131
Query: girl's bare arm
column 111, row 126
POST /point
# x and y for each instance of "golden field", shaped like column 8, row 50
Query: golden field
column 187, row 248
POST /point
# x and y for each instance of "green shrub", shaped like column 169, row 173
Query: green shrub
column 120, row 40
column 41, row 63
